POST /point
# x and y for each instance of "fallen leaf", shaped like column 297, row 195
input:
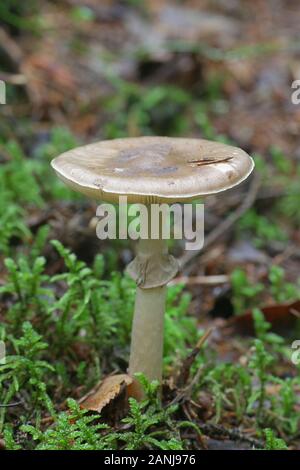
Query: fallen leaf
column 281, row 316
column 105, row 392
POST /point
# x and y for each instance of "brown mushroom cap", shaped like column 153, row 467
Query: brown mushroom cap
column 153, row 169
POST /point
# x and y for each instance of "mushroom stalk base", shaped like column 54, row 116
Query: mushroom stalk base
column 148, row 324
column 147, row 333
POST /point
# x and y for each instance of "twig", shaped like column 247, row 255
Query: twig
column 11, row 405
column 13, row 78
column 216, row 430
column 295, row 312
column 189, row 360
column 185, row 370
column 201, row 280
column 227, row 223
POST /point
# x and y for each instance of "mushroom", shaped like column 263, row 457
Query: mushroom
column 152, row 170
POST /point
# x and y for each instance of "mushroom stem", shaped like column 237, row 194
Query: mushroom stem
column 146, row 351
column 148, row 322
column 151, row 269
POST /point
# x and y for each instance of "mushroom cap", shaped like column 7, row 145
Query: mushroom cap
column 153, row 169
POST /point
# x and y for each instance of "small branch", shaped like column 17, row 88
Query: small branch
column 17, row 79
column 184, row 373
column 227, row 223
column 11, row 405
column 295, row 312
column 200, row 280
column 215, row 430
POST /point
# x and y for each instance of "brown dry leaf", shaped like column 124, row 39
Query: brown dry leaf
column 105, row 392
column 281, row 316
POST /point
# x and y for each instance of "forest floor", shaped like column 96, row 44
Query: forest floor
column 81, row 71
